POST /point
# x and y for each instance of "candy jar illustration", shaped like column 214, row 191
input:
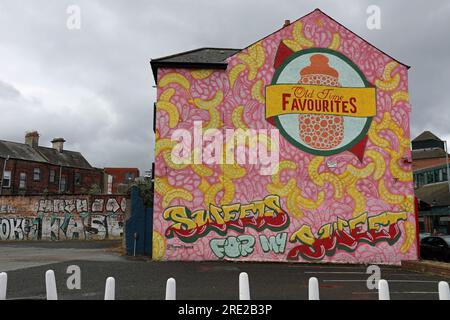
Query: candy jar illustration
column 322, row 132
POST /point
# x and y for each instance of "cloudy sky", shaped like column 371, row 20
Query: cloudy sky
column 94, row 86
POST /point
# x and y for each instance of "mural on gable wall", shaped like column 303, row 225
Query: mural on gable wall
column 343, row 191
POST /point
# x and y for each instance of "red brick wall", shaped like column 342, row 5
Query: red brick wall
column 426, row 163
column 119, row 176
column 88, row 178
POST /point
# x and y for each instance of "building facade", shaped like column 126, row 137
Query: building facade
column 28, row 169
column 431, row 183
column 120, row 178
column 333, row 112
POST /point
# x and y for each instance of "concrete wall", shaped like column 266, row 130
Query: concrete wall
column 62, row 217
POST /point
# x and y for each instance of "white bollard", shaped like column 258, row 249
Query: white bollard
column 171, row 289
column 110, row 289
column 244, row 287
column 383, row 290
column 3, row 285
column 50, row 285
column 444, row 291
column 313, row 289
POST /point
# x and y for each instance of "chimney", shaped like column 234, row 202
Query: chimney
column 32, row 139
column 286, row 23
column 58, row 144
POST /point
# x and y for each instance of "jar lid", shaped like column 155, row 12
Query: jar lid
column 319, row 65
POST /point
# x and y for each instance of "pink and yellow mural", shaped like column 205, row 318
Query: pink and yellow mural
column 342, row 191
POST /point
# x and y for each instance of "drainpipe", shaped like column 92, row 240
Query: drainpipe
column 3, row 173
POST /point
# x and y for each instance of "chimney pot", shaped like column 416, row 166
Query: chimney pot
column 58, row 144
column 286, row 23
column 32, row 139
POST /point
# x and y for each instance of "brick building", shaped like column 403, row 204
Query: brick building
column 120, row 177
column 431, row 183
column 32, row 169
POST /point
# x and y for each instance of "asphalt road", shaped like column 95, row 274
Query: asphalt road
column 26, row 264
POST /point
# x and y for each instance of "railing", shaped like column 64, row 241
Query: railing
column 244, row 288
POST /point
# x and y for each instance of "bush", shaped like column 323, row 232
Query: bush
column 145, row 191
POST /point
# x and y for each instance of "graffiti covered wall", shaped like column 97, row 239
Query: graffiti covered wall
column 61, row 217
column 342, row 191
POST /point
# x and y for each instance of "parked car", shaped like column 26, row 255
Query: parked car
column 435, row 248
column 423, row 235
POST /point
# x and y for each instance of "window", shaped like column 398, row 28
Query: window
column 63, row 184
column 436, row 175
column 430, row 177
column 420, row 179
column 52, row 176
column 22, row 180
column 7, row 179
column 36, row 174
column 77, row 178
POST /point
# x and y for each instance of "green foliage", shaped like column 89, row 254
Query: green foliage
column 95, row 189
column 145, row 190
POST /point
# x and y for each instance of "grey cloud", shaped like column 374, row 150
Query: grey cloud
column 8, row 91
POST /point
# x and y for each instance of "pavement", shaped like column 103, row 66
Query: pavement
column 141, row 279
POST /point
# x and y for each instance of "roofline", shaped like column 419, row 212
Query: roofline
column 15, row 158
column 213, row 66
column 48, row 163
column 190, row 51
column 187, row 65
column 157, row 63
column 339, row 23
column 39, row 146
column 403, row 64
column 432, row 139
column 45, row 158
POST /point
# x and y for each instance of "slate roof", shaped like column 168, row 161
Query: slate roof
column 435, row 194
column 426, row 135
column 20, row 151
column 66, row 158
column 25, row 152
column 206, row 58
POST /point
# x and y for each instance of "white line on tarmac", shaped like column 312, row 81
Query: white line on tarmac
column 332, row 267
column 399, row 292
column 335, row 272
column 406, row 281
column 351, row 272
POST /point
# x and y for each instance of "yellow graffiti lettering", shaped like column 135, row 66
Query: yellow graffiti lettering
column 304, row 235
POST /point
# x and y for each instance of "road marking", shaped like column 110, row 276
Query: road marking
column 331, row 267
column 399, row 292
column 354, row 272
column 335, row 272
column 406, row 281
